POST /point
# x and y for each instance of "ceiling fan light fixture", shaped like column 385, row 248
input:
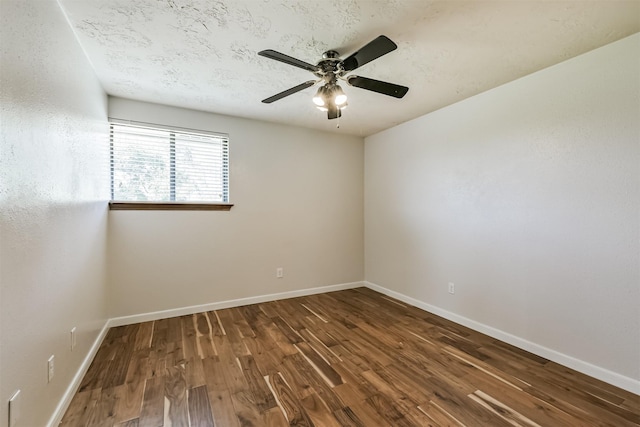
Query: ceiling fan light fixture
column 319, row 98
column 339, row 97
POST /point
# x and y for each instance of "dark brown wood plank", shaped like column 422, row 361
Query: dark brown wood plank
column 129, row 400
column 324, row 369
column 143, row 336
column 246, row 410
column 233, row 335
column 131, row 423
column 221, row 404
column 262, row 396
column 274, row 418
column 103, row 412
column 216, row 326
column 318, row 412
column 204, row 333
column 194, row 372
column 189, row 342
column 152, row 411
column 455, row 401
column 347, row 418
column 95, row 375
column 387, row 410
column 80, row 408
column 199, row 407
column 175, row 394
column 289, row 404
column 310, row 376
column 117, row 373
column 139, row 367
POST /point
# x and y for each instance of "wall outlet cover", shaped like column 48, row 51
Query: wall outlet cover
column 50, row 368
column 73, row 338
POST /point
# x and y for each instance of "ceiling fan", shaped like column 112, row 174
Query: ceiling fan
column 330, row 96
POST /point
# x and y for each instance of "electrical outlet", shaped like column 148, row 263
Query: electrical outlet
column 14, row 409
column 452, row 288
column 50, row 368
column 279, row 272
column 73, row 338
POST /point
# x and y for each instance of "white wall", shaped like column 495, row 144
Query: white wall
column 527, row 197
column 298, row 198
column 53, row 211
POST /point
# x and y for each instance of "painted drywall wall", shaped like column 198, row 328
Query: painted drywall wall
column 298, row 204
column 53, row 210
column 527, row 198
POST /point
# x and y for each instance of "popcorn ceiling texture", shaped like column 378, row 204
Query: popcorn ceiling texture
column 203, row 54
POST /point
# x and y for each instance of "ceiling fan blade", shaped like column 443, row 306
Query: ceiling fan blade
column 377, row 47
column 384, row 88
column 289, row 91
column 272, row 54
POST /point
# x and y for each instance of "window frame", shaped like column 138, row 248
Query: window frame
column 171, row 204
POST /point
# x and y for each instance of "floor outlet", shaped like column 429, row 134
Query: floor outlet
column 51, row 370
column 73, row 338
column 279, row 272
column 452, row 288
column 14, row 409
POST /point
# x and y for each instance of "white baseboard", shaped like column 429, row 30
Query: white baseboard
column 56, row 418
column 182, row 311
column 586, row 368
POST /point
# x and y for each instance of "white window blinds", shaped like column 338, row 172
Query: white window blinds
column 158, row 164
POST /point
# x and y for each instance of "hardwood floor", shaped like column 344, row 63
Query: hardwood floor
column 349, row 358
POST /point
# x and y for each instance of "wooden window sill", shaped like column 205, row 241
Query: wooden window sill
column 168, row 206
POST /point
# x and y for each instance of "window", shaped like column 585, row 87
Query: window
column 151, row 163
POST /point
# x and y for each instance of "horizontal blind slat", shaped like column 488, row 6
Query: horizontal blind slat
column 159, row 163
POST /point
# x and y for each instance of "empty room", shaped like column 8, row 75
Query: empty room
column 319, row 213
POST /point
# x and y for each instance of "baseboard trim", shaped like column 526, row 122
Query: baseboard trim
column 163, row 314
column 586, row 368
column 56, row 418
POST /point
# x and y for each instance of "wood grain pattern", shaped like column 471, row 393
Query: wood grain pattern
column 349, row 358
column 175, row 397
column 200, row 408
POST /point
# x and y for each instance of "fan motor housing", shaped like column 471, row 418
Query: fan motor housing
column 328, row 67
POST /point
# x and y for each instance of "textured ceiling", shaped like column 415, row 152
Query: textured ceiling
column 202, row 54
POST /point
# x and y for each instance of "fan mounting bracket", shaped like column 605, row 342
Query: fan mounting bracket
column 330, row 54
